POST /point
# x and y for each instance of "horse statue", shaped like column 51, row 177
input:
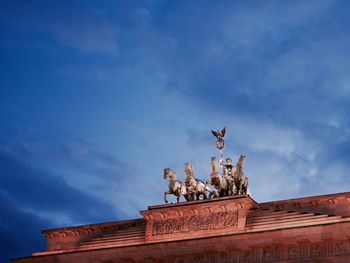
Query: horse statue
column 194, row 186
column 175, row 186
column 222, row 183
column 240, row 180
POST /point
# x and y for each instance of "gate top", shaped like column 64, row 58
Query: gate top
column 197, row 218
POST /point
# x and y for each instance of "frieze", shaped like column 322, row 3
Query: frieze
column 317, row 250
column 340, row 248
column 268, row 254
column 210, row 221
column 293, row 252
column 296, row 252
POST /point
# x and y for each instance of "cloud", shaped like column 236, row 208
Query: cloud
column 82, row 27
column 35, row 199
column 19, row 230
column 39, row 190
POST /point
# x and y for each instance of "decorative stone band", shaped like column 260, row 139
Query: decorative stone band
column 198, row 218
column 303, row 251
column 337, row 204
column 211, row 221
column 71, row 237
column 89, row 229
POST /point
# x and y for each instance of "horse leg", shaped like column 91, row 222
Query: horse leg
column 238, row 186
column 234, row 188
column 241, row 190
column 204, row 195
column 246, row 185
column 177, row 198
column 244, row 188
column 222, row 192
column 228, row 190
column 193, row 197
column 189, row 197
column 165, row 194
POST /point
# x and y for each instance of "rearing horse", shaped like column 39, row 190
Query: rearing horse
column 240, row 180
column 194, row 186
column 175, row 187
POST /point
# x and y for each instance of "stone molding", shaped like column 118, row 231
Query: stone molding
column 90, row 229
column 300, row 251
column 332, row 204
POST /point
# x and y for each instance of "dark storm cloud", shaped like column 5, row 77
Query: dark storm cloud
column 33, row 199
column 38, row 190
column 19, row 230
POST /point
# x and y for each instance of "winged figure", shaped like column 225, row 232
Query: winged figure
column 219, row 135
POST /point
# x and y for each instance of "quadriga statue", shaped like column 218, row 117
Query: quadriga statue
column 229, row 183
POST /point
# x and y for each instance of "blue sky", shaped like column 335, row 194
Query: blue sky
column 97, row 97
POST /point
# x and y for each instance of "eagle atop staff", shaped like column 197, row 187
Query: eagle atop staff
column 219, row 135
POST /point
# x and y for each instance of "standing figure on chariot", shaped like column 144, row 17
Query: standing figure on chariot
column 229, row 171
column 228, row 167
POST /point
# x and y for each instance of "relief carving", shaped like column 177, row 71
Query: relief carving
column 246, row 256
column 180, row 260
column 317, row 250
column 199, row 259
column 293, row 252
column 268, row 254
column 196, row 223
column 223, row 257
column 339, row 249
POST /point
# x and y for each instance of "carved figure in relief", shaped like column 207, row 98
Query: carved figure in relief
column 339, row 249
column 240, row 180
column 317, row 250
column 293, row 252
column 268, row 254
column 223, row 183
column 175, row 186
column 194, row 186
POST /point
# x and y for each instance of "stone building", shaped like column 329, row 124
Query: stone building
column 226, row 229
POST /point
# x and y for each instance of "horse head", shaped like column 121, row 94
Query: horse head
column 214, row 165
column 189, row 170
column 239, row 166
column 169, row 174
column 241, row 160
